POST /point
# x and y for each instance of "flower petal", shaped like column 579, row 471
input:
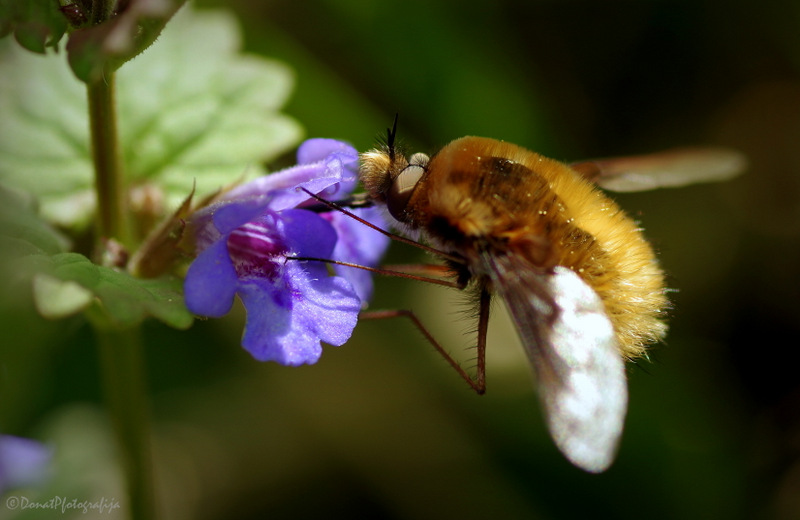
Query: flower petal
column 339, row 159
column 307, row 233
column 358, row 244
column 211, row 282
column 235, row 213
column 22, row 461
column 345, row 166
column 286, row 321
column 327, row 306
column 278, row 183
column 325, row 166
column 317, row 149
column 269, row 321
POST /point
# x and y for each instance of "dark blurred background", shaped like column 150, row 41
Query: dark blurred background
column 382, row 427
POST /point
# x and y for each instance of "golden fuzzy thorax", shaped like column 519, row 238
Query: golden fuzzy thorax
column 483, row 195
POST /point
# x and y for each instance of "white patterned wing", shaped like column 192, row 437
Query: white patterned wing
column 580, row 374
column 585, row 394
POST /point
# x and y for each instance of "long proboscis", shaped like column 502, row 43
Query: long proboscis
column 360, row 204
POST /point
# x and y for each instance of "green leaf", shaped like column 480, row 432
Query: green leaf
column 99, row 49
column 36, row 24
column 190, row 109
column 56, row 298
column 67, row 282
column 22, row 234
column 22, row 231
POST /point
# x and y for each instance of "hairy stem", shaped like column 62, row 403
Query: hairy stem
column 120, row 350
column 109, row 183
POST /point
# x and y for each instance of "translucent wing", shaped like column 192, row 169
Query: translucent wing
column 572, row 347
column 668, row 169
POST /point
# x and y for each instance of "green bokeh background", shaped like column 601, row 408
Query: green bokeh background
column 382, row 427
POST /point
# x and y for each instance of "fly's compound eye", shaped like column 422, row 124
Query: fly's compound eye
column 404, row 184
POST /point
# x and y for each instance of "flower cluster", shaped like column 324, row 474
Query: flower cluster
column 246, row 241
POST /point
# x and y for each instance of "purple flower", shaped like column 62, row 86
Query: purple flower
column 245, row 244
column 22, row 461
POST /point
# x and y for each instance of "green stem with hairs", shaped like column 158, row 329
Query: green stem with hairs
column 119, row 350
column 112, row 217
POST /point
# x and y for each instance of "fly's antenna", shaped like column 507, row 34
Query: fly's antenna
column 391, row 135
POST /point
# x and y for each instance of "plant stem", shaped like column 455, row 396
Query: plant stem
column 122, row 365
column 109, row 183
column 120, row 350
